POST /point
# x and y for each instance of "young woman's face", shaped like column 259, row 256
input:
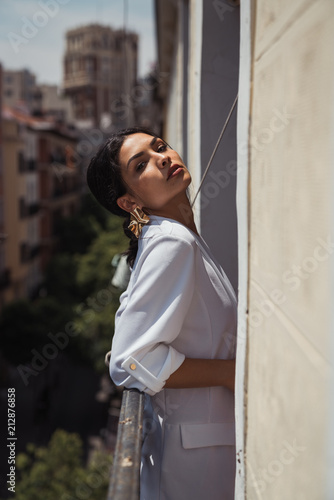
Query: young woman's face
column 154, row 174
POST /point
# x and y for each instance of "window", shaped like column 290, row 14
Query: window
column 89, row 65
column 21, row 162
column 89, row 110
column 105, row 66
column 105, row 41
column 22, row 208
column 31, row 164
column 24, row 252
column 1, row 213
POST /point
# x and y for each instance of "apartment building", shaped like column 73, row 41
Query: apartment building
column 21, row 207
column 4, row 269
column 19, row 89
column 54, row 104
column 60, row 184
column 41, row 183
column 100, row 71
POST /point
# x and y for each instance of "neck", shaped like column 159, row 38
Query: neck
column 180, row 211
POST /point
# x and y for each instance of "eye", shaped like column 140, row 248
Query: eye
column 140, row 166
column 162, row 148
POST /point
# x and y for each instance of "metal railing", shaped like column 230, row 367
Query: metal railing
column 124, row 483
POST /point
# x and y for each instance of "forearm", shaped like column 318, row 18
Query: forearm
column 203, row 373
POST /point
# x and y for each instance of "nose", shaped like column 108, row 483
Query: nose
column 163, row 160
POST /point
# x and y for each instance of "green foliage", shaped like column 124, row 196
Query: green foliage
column 57, row 472
column 78, row 288
column 94, row 274
column 97, row 326
column 94, row 268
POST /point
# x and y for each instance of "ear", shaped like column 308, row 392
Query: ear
column 127, row 203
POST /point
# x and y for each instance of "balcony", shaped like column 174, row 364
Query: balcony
column 34, row 250
column 28, row 209
column 80, row 79
column 26, row 165
column 33, row 208
column 28, row 252
column 31, row 165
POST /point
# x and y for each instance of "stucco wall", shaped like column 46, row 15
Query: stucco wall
column 290, row 250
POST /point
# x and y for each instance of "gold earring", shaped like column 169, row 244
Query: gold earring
column 138, row 219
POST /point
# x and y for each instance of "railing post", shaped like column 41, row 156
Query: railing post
column 124, row 483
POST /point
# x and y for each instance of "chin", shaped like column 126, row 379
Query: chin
column 189, row 180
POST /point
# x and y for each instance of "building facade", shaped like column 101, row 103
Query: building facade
column 21, row 209
column 60, row 185
column 41, row 183
column 19, row 89
column 267, row 212
column 100, row 71
column 4, row 269
column 56, row 105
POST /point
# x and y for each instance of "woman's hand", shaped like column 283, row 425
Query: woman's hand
column 203, row 373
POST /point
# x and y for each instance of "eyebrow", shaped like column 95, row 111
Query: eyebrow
column 141, row 152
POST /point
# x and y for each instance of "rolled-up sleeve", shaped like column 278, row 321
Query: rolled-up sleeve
column 151, row 315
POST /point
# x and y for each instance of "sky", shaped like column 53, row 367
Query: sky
column 33, row 37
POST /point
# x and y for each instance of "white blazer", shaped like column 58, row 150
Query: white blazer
column 179, row 303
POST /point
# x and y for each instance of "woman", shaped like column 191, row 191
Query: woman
column 176, row 324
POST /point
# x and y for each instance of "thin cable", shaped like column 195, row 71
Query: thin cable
column 215, row 149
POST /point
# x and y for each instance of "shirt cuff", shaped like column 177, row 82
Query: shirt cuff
column 154, row 368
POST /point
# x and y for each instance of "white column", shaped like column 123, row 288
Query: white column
column 242, row 211
column 194, row 98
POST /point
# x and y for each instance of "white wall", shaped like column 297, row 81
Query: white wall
column 290, row 219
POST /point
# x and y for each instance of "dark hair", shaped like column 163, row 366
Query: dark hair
column 105, row 181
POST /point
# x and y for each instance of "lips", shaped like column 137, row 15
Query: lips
column 173, row 170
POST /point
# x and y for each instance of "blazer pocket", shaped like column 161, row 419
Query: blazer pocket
column 211, row 434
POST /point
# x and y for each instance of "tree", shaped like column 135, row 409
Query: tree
column 94, row 275
column 94, row 268
column 57, row 471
